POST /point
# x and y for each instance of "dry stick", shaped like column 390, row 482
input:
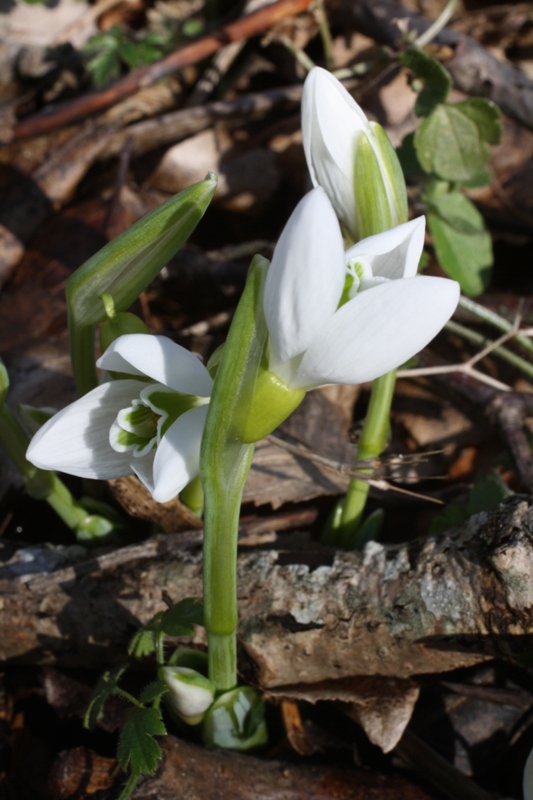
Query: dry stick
column 307, row 614
column 243, row 28
column 468, row 366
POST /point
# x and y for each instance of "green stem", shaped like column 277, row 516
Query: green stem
column 371, row 444
column 40, row 484
column 64, row 504
column 494, row 319
column 129, row 788
column 83, row 356
column 221, row 529
column 325, row 34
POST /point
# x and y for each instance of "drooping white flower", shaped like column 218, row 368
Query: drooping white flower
column 150, row 424
column 336, row 317
column 351, row 158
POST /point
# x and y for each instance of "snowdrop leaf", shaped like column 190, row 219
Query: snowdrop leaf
column 377, row 331
column 125, row 267
column 306, row 277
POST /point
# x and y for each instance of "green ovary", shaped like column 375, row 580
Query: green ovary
column 271, row 403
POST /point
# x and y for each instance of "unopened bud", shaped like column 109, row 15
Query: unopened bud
column 190, row 694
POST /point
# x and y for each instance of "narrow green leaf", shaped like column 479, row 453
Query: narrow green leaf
column 485, row 115
column 125, row 267
column 448, row 144
column 137, row 748
column 180, row 619
column 152, row 691
column 462, row 245
column 437, row 79
column 106, row 686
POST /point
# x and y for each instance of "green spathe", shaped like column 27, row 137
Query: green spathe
column 271, row 403
column 125, row 267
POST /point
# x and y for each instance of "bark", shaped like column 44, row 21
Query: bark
column 190, row 772
column 307, row 615
column 474, row 70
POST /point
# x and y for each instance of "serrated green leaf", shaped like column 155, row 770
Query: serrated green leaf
column 448, row 144
column 106, row 686
column 180, row 619
column 137, row 748
column 142, row 643
column 485, row 115
column 153, row 690
column 437, row 79
column 462, row 245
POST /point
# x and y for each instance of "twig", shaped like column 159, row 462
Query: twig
column 435, row 28
column 243, row 28
column 496, row 320
column 502, row 352
column 468, row 366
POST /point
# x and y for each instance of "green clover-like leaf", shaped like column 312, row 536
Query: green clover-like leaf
column 449, row 145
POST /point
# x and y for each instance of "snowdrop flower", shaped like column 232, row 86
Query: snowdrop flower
column 336, row 317
column 351, row 158
column 150, row 424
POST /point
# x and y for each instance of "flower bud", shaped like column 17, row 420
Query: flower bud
column 236, row 721
column 351, row 158
column 190, row 693
column 118, row 323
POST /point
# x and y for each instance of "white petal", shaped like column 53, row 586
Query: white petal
column 394, row 253
column 305, row 279
column 377, row 331
column 331, row 123
column 177, row 459
column 76, row 440
column 160, row 359
column 143, row 467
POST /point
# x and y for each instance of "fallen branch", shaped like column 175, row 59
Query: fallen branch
column 244, row 28
column 307, row 614
column 189, row 772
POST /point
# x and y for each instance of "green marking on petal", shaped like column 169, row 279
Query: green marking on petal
column 169, row 404
column 348, row 286
column 138, row 419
